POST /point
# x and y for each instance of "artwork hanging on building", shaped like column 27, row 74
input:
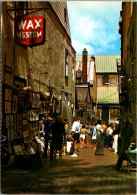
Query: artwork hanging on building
column 8, row 94
column 33, row 100
column 34, row 115
column 7, row 107
column 14, row 104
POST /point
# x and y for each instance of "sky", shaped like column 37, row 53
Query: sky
column 94, row 25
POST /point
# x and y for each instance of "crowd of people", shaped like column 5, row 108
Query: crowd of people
column 100, row 134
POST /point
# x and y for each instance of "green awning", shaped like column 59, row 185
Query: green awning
column 107, row 95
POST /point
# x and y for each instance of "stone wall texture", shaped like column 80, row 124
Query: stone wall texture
column 44, row 64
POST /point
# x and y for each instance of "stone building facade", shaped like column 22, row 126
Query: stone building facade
column 43, row 73
column 108, row 86
column 104, row 86
column 86, row 89
column 128, row 31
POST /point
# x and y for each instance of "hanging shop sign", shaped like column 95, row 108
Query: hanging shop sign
column 29, row 30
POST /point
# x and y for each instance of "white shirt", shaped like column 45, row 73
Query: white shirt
column 109, row 130
column 76, row 127
column 98, row 128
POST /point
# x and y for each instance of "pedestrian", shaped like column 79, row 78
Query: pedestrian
column 87, row 136
column 82, row 135
column 110, row 135
column 48, row 137
column 65, row 121
column 99, row 145
column 91, row 132
column 94, row 136
column 126, row 135
column 58, row 134
column 75, row 134
column 104, row 134
column 116, row 131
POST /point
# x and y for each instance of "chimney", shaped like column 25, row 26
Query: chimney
column 84, row 66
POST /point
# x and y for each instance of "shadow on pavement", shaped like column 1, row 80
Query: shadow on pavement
column 67, row 178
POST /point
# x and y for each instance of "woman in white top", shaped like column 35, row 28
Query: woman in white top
column 75, row 134
column 110, row 136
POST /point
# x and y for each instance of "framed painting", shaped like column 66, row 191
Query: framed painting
column 7, row 107
column 8, row 94
column 14, row 104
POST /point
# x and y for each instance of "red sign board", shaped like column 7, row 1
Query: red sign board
column 29, row 30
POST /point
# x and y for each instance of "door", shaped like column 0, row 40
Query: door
column 105, row 113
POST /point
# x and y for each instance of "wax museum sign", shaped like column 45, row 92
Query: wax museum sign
column 29, row 30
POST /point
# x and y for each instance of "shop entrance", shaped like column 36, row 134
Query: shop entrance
column 105, row 113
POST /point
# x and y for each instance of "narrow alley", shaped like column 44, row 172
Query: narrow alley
column 85, row 174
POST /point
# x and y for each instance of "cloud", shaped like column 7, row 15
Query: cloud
column 80, row 46
column 94, row 24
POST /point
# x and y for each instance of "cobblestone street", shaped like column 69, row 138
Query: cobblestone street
column 85, row 174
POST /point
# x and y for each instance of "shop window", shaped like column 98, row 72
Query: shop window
column 66, row 62
column 105, row 80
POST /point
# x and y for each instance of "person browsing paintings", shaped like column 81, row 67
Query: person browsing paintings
column 58, row 135
column 75, row 134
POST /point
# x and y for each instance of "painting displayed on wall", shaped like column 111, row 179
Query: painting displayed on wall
column 34, row 115
column 8, row 94
column 7, row 107
column 33, row 100
column 14, row 104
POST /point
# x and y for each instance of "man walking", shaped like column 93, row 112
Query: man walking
column 75, row 134
column 127, row 133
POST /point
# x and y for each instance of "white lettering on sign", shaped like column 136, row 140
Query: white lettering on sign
column 22, row 25
column 29, row 30
column 28, row 34
column 38, row 25
column 30, row 25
